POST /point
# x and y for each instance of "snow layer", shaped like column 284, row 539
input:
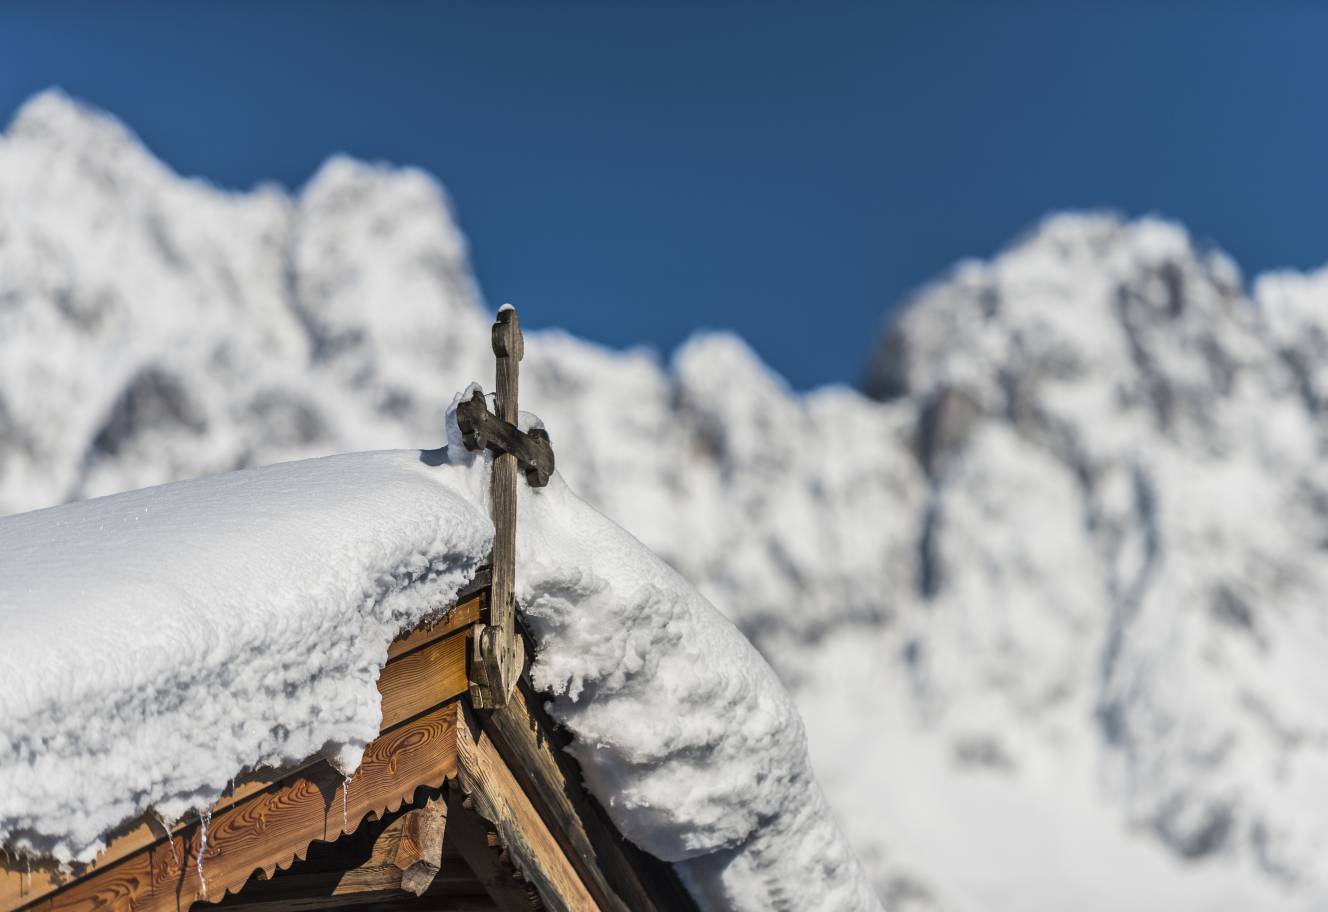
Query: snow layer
column 683, row 731
column 162, row 641
column 1053, row 582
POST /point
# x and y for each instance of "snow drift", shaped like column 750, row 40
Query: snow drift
column 1047, row 595
column 163, row 641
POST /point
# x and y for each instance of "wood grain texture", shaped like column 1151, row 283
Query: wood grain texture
column 431, row 671
column 470, row 835
column 497, row 653
column 465, row 613
column 359, row 869
column 499, row 799
column 483, row 430
column 620, row 876
column 423, row 678
column 419, row 854
column 273, row 828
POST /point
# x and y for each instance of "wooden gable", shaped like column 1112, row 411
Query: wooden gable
column 516, row 828
column 464, row 801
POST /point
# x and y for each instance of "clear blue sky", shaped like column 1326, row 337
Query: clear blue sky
column 790, row 172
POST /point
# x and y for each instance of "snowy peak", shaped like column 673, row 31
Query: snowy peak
column 1126, row 461
column 61, row 126
column 1091, row 316
column 179, row 323
column 375, row 253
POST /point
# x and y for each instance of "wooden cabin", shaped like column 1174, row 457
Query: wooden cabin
column 465, row 801
column 453, row 808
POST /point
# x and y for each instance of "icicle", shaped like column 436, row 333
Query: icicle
column 175, row 851
column 345, row 790
column 204, row 821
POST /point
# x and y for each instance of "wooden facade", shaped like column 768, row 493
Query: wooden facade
column 453, row 808
column 464, row 801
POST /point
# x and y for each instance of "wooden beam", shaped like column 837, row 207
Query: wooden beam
column 620, row 876
column 406, row 691
column 423, row 678
column 483, row 430
column 377, row 874
column 466, row 613
column 497, row 653
column 407, row 854
column 375, row 880
column 468, row 832
column 419, row 854
column 499, row 799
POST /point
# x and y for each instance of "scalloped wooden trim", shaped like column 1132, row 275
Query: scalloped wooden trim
column 272, row 829
column 425, row 667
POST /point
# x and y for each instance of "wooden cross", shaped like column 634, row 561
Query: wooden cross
column 497, row 653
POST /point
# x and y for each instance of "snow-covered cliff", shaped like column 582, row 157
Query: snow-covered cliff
column 1048, row 597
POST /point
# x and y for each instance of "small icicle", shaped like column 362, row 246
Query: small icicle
column 204, row 821
column 175, row 851
column 345, row 790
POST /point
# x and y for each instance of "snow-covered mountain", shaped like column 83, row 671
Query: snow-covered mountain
column 1048, row 596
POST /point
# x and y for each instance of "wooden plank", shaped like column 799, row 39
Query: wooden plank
column 468, row 833
column 465, row 613
column 423, row 678
column 430, row 673
column 620, row 876
column 499, row 799
column 271, row 829
column 497, row 653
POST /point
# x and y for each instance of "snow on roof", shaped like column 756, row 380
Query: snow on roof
column 158, row 643
column 682, row 730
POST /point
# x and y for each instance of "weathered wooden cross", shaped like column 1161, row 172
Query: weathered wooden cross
column 497, row 653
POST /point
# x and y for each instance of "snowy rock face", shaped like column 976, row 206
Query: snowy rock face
column 1047, row 597
column 1126, row 526
column 153, row 328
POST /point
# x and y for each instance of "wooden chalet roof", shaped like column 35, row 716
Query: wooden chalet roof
column 496, row 801
column 465, row 797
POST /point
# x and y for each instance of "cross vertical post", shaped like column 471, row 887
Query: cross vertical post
column 497, row 654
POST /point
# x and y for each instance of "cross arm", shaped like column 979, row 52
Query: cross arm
column 481, row 429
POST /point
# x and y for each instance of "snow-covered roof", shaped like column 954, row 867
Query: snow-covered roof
column 160, row 642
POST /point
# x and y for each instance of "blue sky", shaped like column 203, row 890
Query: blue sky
column 791, row 172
